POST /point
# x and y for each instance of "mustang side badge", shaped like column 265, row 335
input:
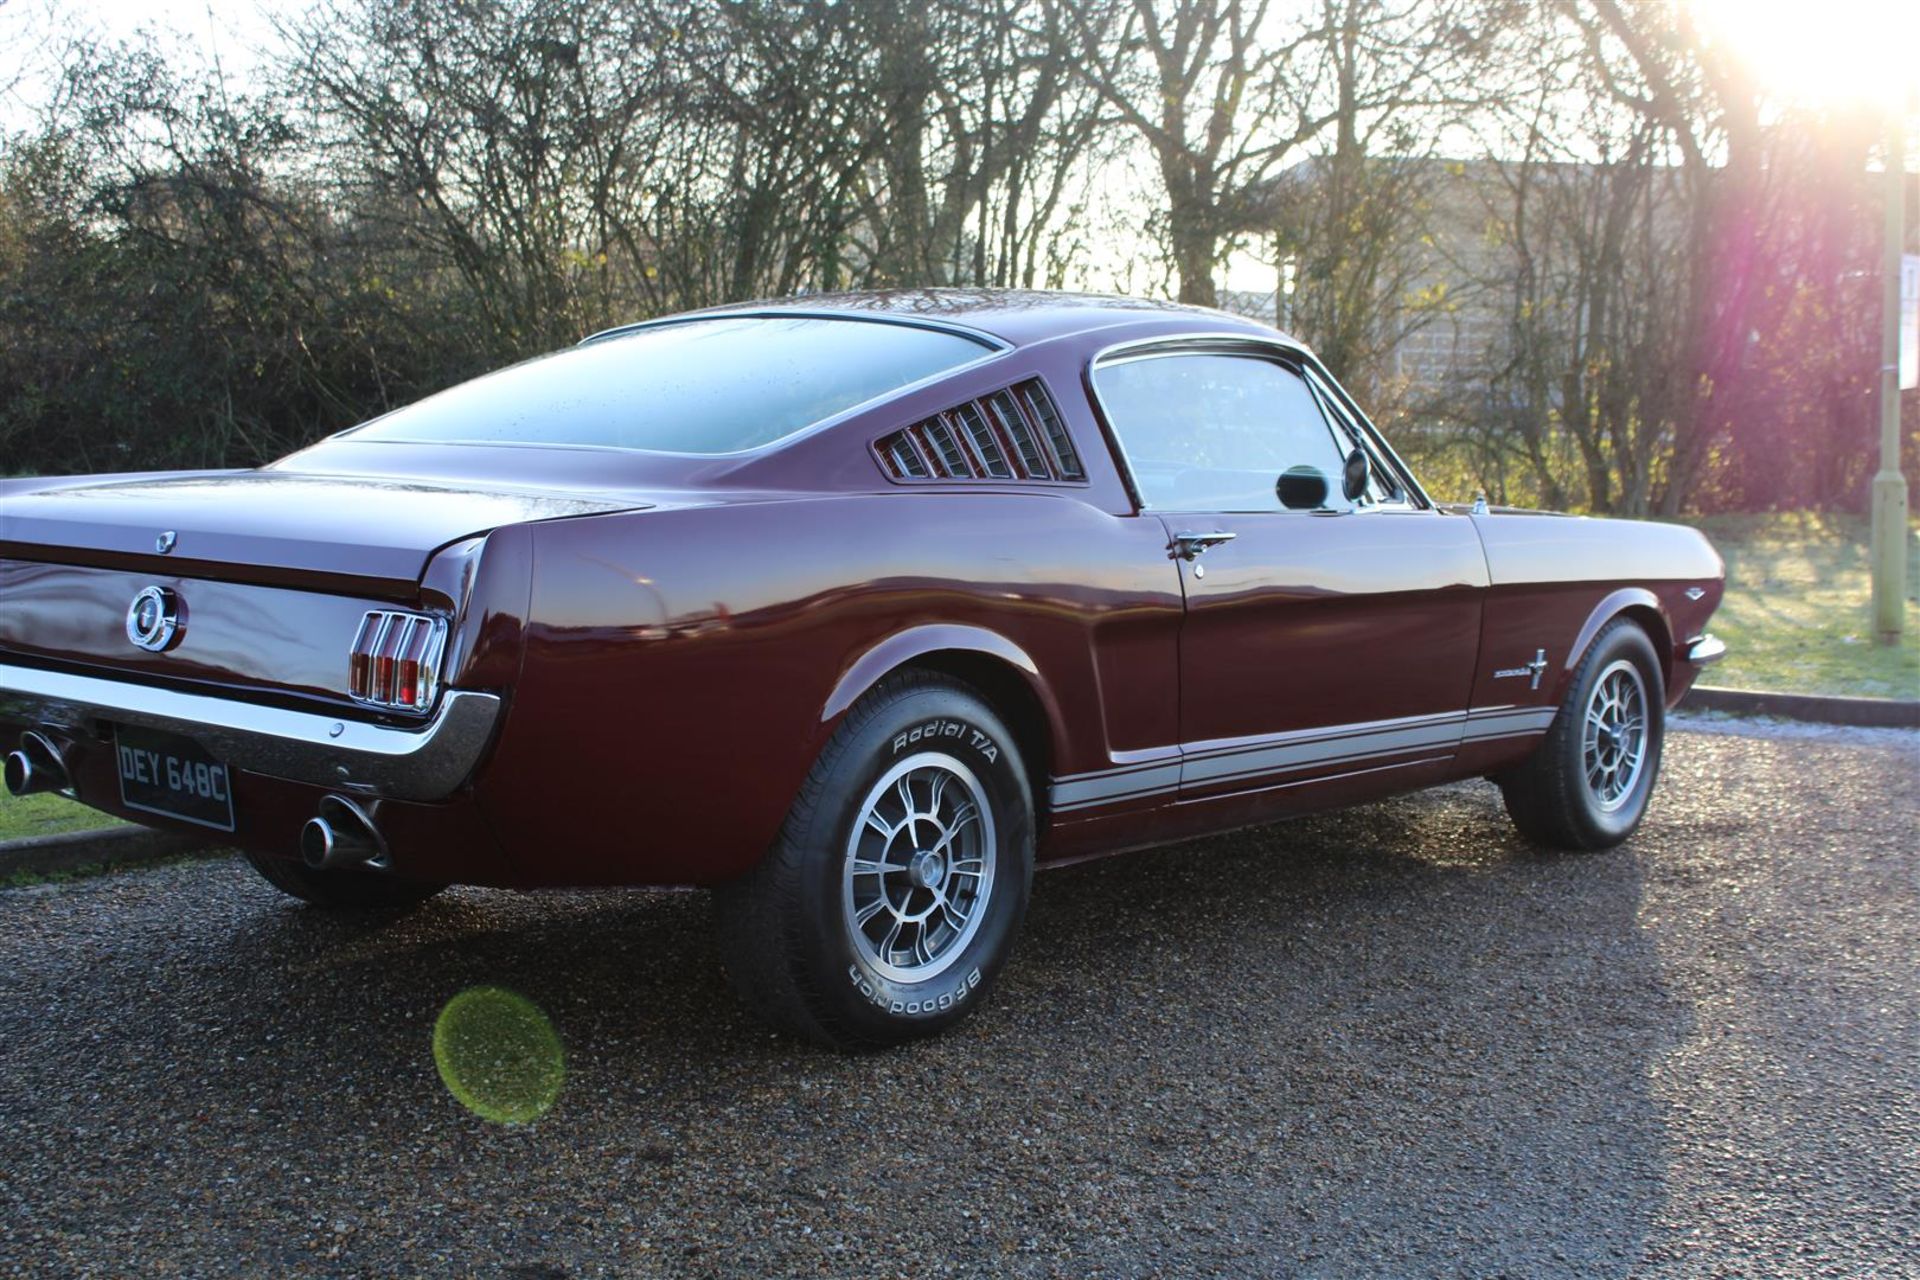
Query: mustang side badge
column 1536, row 669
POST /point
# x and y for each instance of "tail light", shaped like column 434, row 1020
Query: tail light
column 396, row 660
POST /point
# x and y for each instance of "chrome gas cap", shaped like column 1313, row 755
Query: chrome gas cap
column 153, row 619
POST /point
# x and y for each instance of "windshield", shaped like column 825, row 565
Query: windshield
column 699, row 386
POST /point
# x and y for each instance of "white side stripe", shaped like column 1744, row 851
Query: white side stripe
column 1087, row 789
column 1290, row 752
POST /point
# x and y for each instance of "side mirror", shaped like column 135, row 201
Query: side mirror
column 1353, row 476
column 1302, row 488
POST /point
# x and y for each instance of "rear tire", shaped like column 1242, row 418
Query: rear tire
column 1588, row 784
column 890, row 900
column 350, row 890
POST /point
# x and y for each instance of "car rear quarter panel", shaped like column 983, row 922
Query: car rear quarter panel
column 684, row 667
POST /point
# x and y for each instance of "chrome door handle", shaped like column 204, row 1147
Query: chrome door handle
column 1187, row 545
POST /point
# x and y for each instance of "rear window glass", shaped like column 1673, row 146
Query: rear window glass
column 699, row 386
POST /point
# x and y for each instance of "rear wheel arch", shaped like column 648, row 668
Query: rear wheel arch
column 1009, row 692
column 1003, row 673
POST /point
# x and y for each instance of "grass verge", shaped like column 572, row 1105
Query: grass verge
column 1797, row 615
column 88, row 870
column 46, row 815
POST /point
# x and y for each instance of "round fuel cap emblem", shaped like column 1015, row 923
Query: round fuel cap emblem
column 153, row 619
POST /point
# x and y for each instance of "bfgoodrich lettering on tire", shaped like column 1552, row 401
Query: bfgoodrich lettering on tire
column 891, row 899
column 1588, row 784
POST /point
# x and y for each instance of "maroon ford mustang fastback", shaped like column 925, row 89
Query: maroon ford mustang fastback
column 854, row 608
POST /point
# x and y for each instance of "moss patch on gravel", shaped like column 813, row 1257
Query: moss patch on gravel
column 1798, row 614
column 498, row 1055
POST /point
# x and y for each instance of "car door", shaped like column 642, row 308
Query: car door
column 1316, row 644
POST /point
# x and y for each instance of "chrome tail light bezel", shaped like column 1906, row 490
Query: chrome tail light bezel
column 388, row 642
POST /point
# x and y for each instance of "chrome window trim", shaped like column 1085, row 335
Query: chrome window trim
column 981, row 336
column 418, row 762
column 1381, row 445
column 1228, row 342
column 1139, row 350
column 1322, row 388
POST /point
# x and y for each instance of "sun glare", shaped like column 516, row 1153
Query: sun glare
column 1835, row 52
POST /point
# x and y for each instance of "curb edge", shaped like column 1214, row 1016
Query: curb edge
column 1872, row 713
column 112, row 846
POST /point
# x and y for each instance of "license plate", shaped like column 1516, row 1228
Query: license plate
column 167, row 774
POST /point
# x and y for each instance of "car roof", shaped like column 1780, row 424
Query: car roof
column 1016, row 316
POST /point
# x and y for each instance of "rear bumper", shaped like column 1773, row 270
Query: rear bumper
column 427, row 762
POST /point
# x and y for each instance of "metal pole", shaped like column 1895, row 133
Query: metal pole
column 1889, row 528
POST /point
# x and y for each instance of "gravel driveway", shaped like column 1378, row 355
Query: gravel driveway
column 1389, row 1042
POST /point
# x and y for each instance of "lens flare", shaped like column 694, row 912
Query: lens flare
column 1859, row 51
column 499, row 1055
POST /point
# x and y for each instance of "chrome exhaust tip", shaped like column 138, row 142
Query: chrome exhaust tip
column 21, row 777
column 36, row 767
column 342, row 836
column 320, row 845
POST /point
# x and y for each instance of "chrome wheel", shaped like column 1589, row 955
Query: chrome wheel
column 1614, row 736
column 919, row 867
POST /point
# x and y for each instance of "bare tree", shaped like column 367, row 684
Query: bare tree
column 1655, row 62
column 504, row 142
column 1224, row 93
column 976, row 124
column 433, row 186
column 1205, row 84
column 565, row 159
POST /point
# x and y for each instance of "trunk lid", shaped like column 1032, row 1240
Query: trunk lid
column 270, row 526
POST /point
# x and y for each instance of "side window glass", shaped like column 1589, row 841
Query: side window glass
column 1213, row 432
column 1382, row 488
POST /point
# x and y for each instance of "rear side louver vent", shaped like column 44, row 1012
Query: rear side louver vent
column 1015, row 434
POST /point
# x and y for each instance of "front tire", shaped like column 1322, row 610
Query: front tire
column 346, row 890
column 1588, row 784
column 891, row 898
